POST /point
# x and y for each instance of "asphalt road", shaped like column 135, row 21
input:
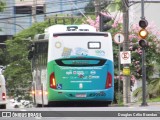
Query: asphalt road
column 87, row 112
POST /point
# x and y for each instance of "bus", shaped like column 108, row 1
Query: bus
column 72, row 63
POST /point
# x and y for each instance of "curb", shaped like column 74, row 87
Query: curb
column 135, row 104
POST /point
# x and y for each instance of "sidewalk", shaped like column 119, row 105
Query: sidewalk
column 137, row 104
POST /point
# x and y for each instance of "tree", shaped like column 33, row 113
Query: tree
column 2, row 50
column 18, row 70
column 90, row 7
column 152, row 52
column 2, row 5
column 114, row 6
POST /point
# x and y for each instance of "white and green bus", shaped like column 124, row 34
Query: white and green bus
column 72, row 63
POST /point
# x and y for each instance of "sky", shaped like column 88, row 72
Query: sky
column 151, row 12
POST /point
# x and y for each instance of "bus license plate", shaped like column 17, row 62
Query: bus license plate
column 81, row 95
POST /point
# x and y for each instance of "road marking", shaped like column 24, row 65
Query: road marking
column 38, row 118
column 131, row 107
column 144, row 109
column 23, row 110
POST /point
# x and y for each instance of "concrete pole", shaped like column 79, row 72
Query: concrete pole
column 44, row 9
column 34, row 19
column 97, row 7
column 126, row 80
column 144, row 103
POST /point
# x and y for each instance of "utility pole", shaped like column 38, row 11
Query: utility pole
column 143, row 24
column 34, row 19
column 126, row 81
column 44, row 10
column 97, row 7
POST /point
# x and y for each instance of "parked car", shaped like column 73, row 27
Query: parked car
column 3, row 100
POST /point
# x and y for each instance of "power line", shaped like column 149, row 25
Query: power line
column 29, row 15
column 49, row 3
column 36, row 14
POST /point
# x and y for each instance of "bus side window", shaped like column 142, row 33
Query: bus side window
column 41, row 50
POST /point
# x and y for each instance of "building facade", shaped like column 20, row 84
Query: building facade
column 21, row 14
column 6, row 25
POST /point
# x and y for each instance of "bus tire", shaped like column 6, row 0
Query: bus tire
column 38, row 105
column 105, row 103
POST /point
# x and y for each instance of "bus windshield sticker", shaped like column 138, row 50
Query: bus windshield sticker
column 94, row 45
column 100, row 53
column 93, row 72
column 66, row 52
column 58, row 44
column 81, row 51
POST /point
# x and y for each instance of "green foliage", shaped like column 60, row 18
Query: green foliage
column 90, row 7
column 18, row 70
column 154, row 99
column 115, row 6
column 153, row 89
column 3, row 58
column 138, row 93
column 2, row 5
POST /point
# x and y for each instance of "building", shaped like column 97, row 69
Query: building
column 21, row 14
column 6, row 25
column 151, row 8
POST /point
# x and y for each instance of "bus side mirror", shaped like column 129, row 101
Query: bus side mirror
column 30, row 55
column 31, row 51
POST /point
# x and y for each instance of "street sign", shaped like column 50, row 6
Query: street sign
column 125, row 57
column 119, row 38
column 126, row 71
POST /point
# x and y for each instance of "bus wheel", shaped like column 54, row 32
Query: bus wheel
column 38, row 105
column 105, row 103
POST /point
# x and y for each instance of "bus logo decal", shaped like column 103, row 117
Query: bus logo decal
column 93, row 72
column 69, row 72
column 80, row 85
column 59, row 86
column 100, row 53
column 74, row 72
column 81, row 51
column 81, row 76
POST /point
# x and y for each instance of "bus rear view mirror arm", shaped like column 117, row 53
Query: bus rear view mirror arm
column 30, row 55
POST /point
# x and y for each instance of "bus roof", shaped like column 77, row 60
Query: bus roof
column 63, row 29
column 67, row 28
column 45, row 36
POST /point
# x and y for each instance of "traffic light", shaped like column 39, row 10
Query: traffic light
column 103, row 19
column 143, row 23
column 143, row 33
column 143, row 43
